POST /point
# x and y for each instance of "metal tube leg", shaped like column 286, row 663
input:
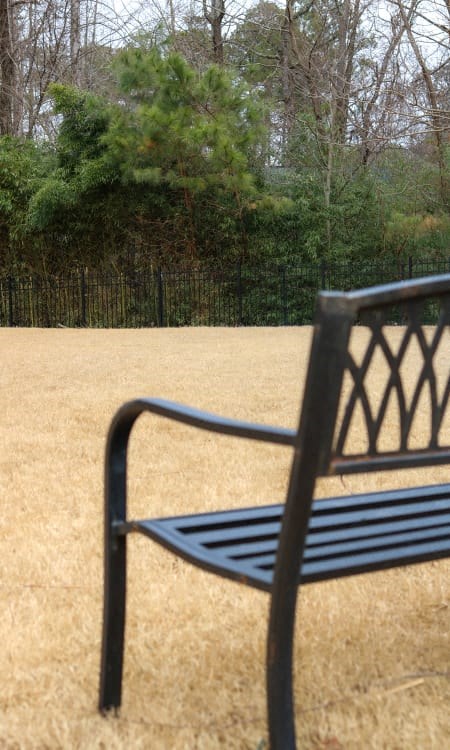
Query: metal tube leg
column 280, row 703
column 113, row 622
column 114, row 561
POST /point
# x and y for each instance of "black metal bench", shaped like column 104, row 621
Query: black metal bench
column 278, row 547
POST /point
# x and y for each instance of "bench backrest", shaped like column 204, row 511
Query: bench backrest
column 339, row 391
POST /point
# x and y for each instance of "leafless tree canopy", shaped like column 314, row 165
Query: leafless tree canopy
column 351, row 72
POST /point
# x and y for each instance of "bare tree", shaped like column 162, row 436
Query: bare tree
column 433, row 112
column 57, row 40
column 7, row 68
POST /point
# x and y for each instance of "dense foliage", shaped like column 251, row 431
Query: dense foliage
column 175, row 167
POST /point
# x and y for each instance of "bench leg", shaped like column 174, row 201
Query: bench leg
column 114, row 566
column 113, row 623
column 115, row 554
column 280, row 703
column 280, row 648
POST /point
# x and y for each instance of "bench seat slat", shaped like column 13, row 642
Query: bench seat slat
column 335, row 556
column 346, row 535
column 320, row 570
column 373, row 529
column 215, row 537
column 373, row 542
column 244, row 544
column 215, row 531
column 365, row 561
column 193, row 523
column 254, row 549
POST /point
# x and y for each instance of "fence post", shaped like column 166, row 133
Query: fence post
column 35, row 301
column 410, row 267
column 83, row 298
column 10, row 302
column 160, row 288
column 323, row 273
column 239, row 291
column 283, row 289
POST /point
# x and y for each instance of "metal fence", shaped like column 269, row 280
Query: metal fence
column 240, row 295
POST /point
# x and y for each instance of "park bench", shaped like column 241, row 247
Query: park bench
column 276, row 548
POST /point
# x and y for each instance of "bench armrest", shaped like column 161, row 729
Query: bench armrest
column 204, row 420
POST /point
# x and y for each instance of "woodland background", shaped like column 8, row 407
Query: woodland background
column 174, row 133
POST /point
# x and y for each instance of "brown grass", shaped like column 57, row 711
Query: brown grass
column 372, row 652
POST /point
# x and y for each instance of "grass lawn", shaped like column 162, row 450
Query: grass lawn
column 372, row 654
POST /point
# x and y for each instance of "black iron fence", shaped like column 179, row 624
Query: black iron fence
column 282, row 295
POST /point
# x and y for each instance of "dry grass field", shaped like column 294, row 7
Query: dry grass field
column 372, row 654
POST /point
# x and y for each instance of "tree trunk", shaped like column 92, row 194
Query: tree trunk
column 348, row 25
column 215, row 16
column 7, row 69
column 75, row 42
column 287, row 77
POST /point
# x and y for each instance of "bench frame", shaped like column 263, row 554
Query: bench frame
column 319, row 449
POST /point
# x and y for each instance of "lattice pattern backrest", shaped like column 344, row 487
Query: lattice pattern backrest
column 394, row 405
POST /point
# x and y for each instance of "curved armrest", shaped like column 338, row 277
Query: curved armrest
column 129, row 412
column 119, row 433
